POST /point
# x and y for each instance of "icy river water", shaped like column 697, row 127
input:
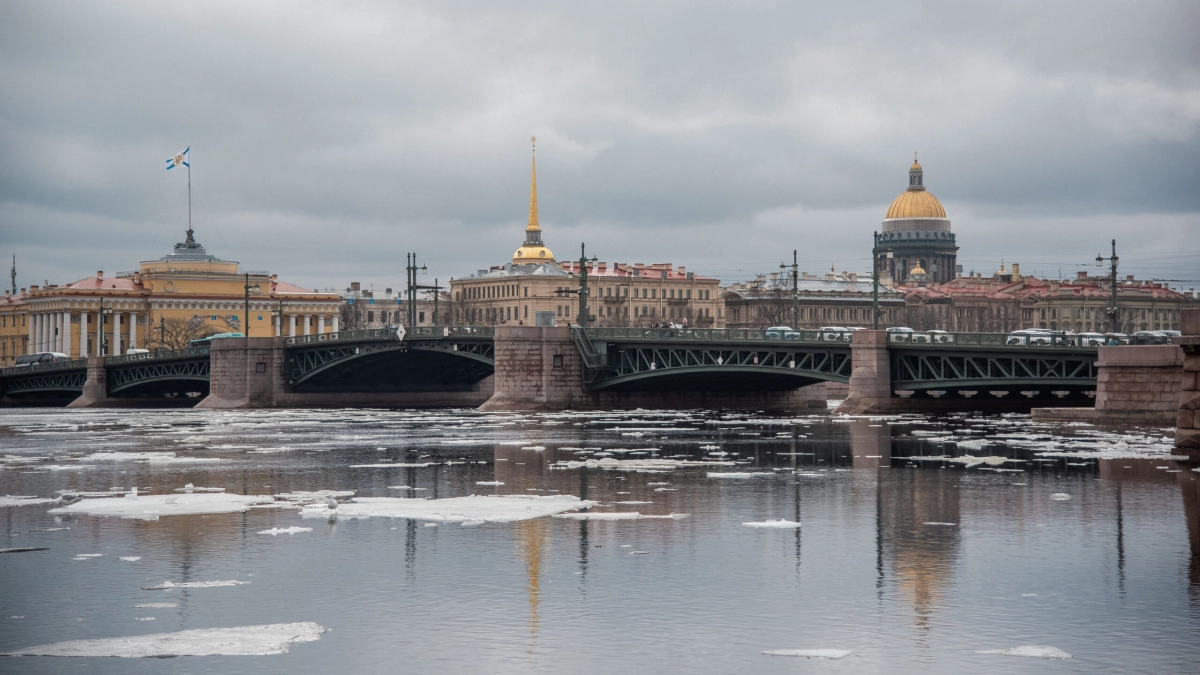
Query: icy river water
column 956, row 544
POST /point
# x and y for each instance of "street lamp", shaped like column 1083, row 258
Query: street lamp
column 257, row 290
column 583, row 287
column 795, row 289
column 1112, row 307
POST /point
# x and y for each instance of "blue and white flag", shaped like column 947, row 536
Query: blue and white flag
column 180, row 159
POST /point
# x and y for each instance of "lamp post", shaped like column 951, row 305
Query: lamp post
column 162, row 332
column 1112, row 279
column 795, row 289
column 257, row 289
column 583, row 287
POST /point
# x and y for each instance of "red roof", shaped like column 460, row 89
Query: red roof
column 285, row 287
column 100, row 283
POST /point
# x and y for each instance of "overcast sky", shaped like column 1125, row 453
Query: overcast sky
column 328, row 142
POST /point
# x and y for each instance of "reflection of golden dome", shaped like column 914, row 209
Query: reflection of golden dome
column 916, row 204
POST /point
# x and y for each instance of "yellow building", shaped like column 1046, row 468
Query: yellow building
column 14, row 333
column 167, row 302
column 532, row 289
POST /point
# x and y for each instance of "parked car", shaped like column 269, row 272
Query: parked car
column 1030, row 336
column 1090, row 340
column 899, row 334
column 833, row 334
column 41, row 358
column 940, row 337
column 782, row 333
column 1150, row 337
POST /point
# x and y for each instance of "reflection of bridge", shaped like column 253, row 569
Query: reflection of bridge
column 558, row 367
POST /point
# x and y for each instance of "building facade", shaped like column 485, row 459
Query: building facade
column 166, row 303
column 535, row 289
column 844, row 300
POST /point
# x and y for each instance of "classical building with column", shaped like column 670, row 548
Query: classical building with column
column 917, row 233
column 535, row 289
column 187, row 293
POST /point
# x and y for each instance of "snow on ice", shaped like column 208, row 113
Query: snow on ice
column 151, row 507
column 236, row 641
column 491, row 508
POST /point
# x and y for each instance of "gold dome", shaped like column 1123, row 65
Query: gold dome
column 915, row 166
column 528, row 254
column 916, row 204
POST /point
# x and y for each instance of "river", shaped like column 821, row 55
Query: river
column 923, row 543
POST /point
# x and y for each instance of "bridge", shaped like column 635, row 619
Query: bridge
column 560, row 367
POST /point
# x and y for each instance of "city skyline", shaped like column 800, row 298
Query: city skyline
column 327, row 143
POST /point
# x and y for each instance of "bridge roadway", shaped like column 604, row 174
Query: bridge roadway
column 463, row 359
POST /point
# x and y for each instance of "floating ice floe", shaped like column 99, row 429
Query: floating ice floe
column 236, row 641
column 736, row 474
column 640, row 465
column 301, row 497
column 489, row 482
column 811, row 653
column 967, row 461
column 189, row 488
column 130, row 558
column 619, row 515
column 170, row 586
column 1035, row 651
column 285, row 530
column 156, row 605
column 151, row 507
column 936, row 524
column 1060, row 496
column 490, row 508
column 395, row 465
column 780, row 523
column 16, row 500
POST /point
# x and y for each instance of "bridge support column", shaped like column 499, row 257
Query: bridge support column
column 95, row 389
column 244, row 373
column 537, row 367
column 1187, row 422
column 870, row 388
column 1135, row 384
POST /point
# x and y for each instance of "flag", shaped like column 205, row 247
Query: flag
column 180, row 158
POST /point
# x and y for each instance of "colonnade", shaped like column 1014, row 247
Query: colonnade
column 302, row 324
column 57, row 332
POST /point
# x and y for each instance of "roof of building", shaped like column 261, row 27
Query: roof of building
column 637, row 270
column 99, row 282
column 13, row 299
column 278, row 287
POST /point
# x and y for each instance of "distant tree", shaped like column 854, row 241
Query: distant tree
column 178, row 333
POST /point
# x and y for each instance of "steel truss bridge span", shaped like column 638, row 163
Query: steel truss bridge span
column 707, row 360
column 429, row 359
column 51, row 380
column 1024, row 369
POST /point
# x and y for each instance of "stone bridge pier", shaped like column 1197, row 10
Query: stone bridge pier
column 1187, row 421
column 541, row 368
column 95, row 389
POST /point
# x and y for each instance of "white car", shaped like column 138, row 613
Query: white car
column 940, row 337
column 1032, row 336
column 782, row 333
column 899, row 334
column 833, row 334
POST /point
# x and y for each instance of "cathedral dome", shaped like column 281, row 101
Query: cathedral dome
column 916, row 204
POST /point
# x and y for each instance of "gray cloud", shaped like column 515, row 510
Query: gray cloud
column 328, row 142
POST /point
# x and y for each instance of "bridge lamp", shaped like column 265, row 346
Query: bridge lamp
column 1099, row 261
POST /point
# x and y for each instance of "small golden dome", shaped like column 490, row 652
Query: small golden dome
column 915, row 166
column 916, row 204
column 532, row 254
column 917, row 269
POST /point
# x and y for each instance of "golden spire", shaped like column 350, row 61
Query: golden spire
column 533, row 214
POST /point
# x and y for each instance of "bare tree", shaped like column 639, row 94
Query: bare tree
column 179, row 333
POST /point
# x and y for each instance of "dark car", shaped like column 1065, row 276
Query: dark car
column 41, row 358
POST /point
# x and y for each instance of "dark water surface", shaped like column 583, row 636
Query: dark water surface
column 1110, row 575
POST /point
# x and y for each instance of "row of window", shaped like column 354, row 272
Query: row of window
column 510, row 290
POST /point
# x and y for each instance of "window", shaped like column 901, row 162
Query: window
column 370, row 316
column 558, row 361
column 420, row 317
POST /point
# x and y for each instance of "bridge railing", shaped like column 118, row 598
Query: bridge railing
column 345, row 335
column 1000, row 340
column 449, row 331
column 159, row 355
column 44, row 367
column 718, row 334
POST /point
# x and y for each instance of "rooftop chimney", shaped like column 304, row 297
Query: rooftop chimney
column 355, row 286
column 682, row 269
column 1016, row 271
column 99, row 274
column 1081, row 275
column 32, row 288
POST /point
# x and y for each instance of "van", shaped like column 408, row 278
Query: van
column 41, row 358
column 206, row 341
